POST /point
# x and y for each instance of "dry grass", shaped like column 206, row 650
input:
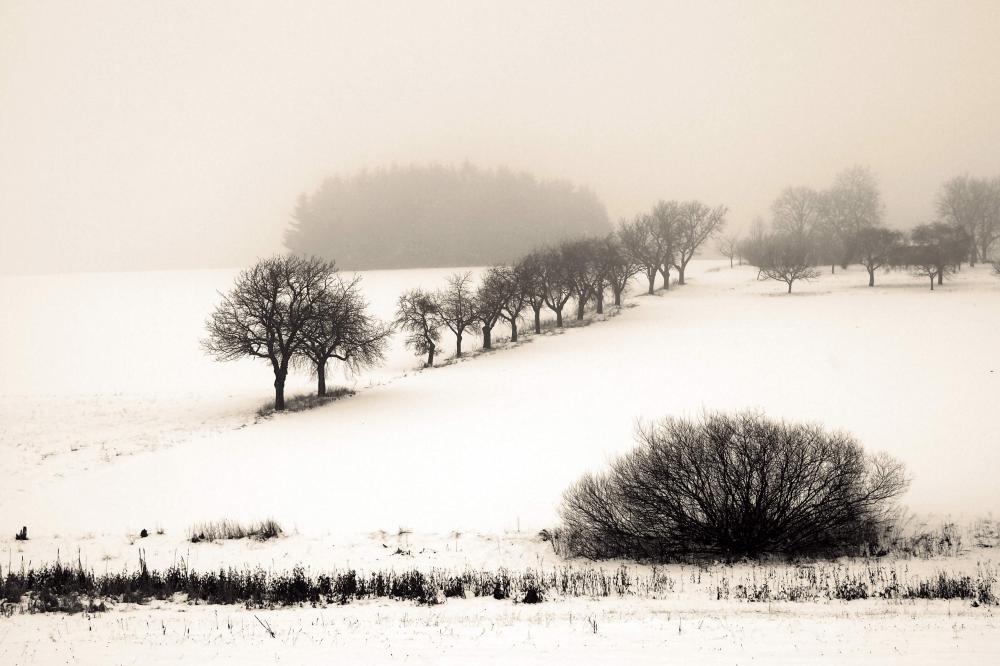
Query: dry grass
column 230, row 529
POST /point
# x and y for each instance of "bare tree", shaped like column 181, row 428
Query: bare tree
column 852, row 204
column 617, row 266
column 696, row 224
column 491, row 298
column 531, row 279
column 637, row 240
column 876, row 248
column 582, row 271
column 935, row 250
column 798, row 211
column 557, row 288
column 735, row 485
column 417, row 314
column 665, row 230
column 458, row 309
column 786, row 258
column 342, row 329
column 729, row 247
column 973, row 205
column 515, row 296
column 265, row 313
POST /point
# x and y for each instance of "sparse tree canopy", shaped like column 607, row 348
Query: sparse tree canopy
column 785, row 258
column 617, row 265
column 934, row 251
column 266, row 313
column 973, row 205
column 417, row 314
column 876, row 248
column 439, row 216
column 852, row 204
column 798, row 211
column 696, row 224
column 492, row 296
column 458, row 308
column 342, row 329
column 641, row 247
column 729, row 247
column 557, row 286
column 733, row 485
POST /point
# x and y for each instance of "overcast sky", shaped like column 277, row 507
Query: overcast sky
column 178, row 134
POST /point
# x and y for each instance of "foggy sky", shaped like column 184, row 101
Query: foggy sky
column 177, row 135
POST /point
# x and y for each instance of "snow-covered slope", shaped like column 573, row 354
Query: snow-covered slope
column 488, row 443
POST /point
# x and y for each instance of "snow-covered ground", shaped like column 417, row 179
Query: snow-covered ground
column 112, row 420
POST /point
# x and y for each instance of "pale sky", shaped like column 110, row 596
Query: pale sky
column 154, row 135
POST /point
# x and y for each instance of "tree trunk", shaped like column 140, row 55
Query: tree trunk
column 871, row 277
column 321, row 378
column 513, row 329
column 279, row 392
column 538, row 319
column 730, row 262
column 833, row 268
column 932, row 282
column 580, row 305
column 789, row 287
column 618, row 296
column 487, row 338
column 600, row 302
column 940, row 277
column 666, row 279
column 430, row 356
column 680, row 273
column 458, row 346
column 559, row 318
column 652, row 282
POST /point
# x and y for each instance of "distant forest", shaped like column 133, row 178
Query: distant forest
column 426, row 216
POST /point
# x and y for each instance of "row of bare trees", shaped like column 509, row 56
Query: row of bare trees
column 293, row 311
column 583, row 270
column 296, row 311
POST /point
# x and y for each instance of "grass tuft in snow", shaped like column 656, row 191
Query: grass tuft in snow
column 230, row 529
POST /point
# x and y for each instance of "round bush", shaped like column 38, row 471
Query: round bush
column 735, row 485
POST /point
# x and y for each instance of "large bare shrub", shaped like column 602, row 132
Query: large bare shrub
column 733, row 485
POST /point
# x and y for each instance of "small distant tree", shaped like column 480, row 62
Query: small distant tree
column 729, row 247
column 935, row 250
column 515, row 297
column 458, row 308
column 637, row 240
column 875, row 248
column 617, row 266
column 582, row 271
column 491, row 297
column 343, row 329
column 696, row 224
column 852, row 204
column 798, row 211
column 531, row 280
column 972, row 205
column 266, row 312
column 786, row 258
column 557, row 287
column 665, row 222
column 417, row 315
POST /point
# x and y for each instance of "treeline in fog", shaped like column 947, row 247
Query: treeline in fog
column 843, row 225
column 424, row 216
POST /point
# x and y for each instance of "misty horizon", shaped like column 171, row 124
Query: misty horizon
column 180, row 136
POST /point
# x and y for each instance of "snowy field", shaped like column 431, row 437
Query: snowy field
column 112, row 420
